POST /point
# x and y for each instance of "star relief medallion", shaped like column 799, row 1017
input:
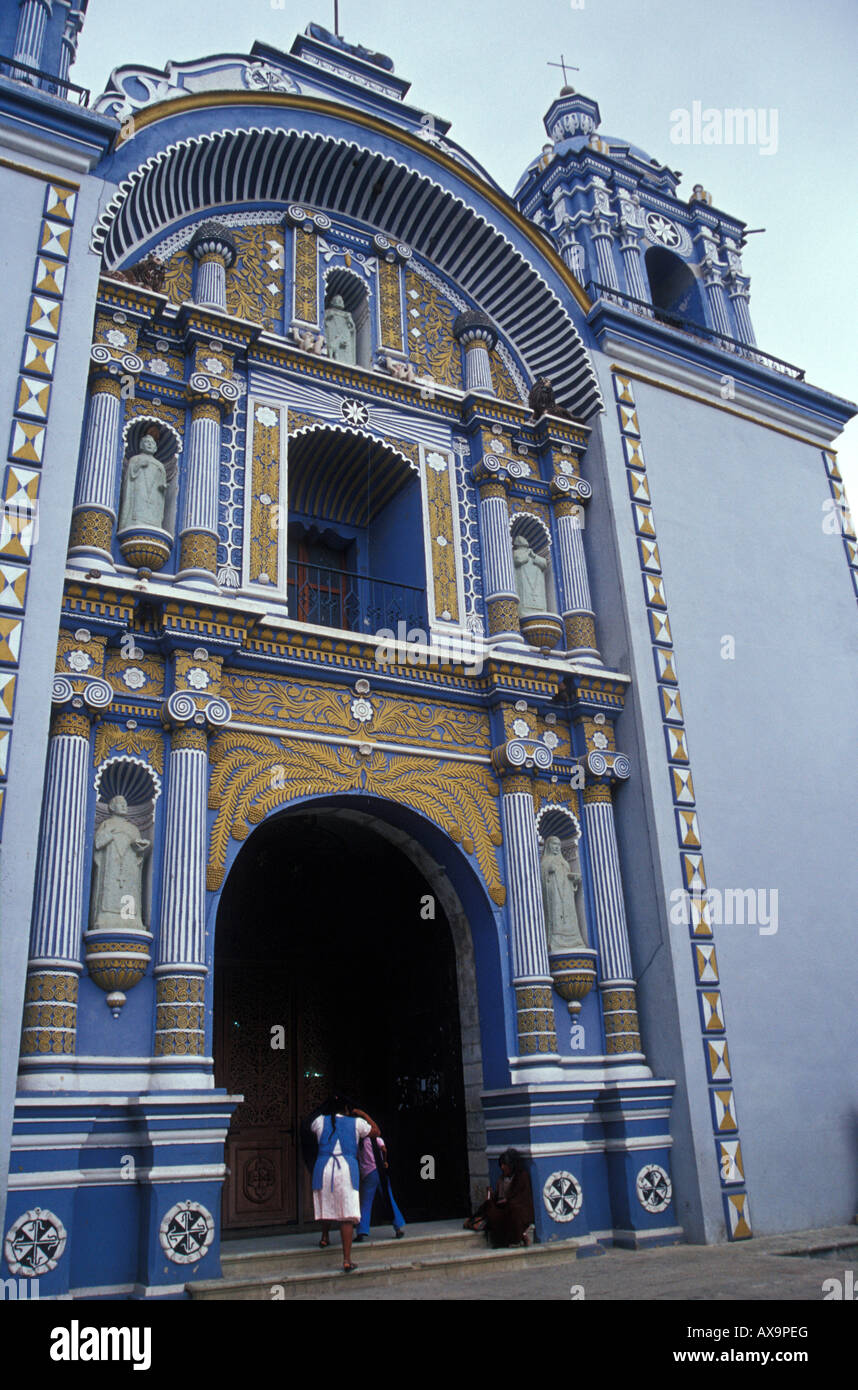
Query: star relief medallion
column 662, row 230
column 354, row 412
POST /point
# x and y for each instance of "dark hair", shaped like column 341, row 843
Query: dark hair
column 338, row 1104
column 513, row 1160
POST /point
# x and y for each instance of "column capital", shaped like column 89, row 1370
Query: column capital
column 502, row 470
column 186, row 713
column 313, row 222
column 473, row 326
column 203, row 390
column 213, row 239
column 109, row 364
column 79, row 697
column 603, row 770
column 566, row 487
column 521, row 757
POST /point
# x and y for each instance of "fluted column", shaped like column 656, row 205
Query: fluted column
column 569, row 495
column 69, row 42
column 199, row 529
column 717, row 301
column 631, row 253
column 181, row 968
column 478, row 336
column 602, row 240
column 498, row 567
column 740, row 295
column 515, row 763
column 214, row 250
column 50, row 1007
column 94, row 516
column 616, row 982
column 32, row 22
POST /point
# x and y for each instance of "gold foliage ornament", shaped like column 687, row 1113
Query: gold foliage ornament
column 252, row 775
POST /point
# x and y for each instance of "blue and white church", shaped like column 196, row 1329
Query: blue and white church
column 399, row 579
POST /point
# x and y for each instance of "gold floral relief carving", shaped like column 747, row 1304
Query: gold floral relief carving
column 93, row 649
column 258, row 267
column 505, row 387
column 432, row 348
column 178, row 278
column 390, row 308
column 252, row 775
column 442, row 520
column 270, row 700
column 142, row 406
column 143, row 743
column 306, row 278
column 153, row 667
column 299, row 419
column 265, row 537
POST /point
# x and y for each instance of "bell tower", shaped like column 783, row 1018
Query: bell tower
column 629, row 237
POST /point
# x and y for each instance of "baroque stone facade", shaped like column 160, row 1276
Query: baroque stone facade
column 321, row 618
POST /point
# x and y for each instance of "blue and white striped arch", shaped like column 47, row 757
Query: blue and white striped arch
column 200, row 174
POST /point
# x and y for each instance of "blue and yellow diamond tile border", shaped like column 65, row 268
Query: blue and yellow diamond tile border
column 22, row 479
column 842, row 517
column 713, row 1027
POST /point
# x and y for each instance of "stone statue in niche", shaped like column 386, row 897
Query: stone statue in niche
column 340, row 332
column 117, row 880
column 561, row 880
column 530, row 571
column 145, row 488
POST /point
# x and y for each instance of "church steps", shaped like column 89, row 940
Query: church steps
column 309, row 1258
column 306, row 1272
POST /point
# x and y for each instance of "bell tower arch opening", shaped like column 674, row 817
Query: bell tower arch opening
column 674, row 291
column 336, row 969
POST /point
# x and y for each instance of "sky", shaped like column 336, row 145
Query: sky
column 484, row 65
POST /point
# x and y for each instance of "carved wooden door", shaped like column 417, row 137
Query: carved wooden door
column 256, row 1059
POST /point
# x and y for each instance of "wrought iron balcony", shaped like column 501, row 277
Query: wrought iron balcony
column 44, row 81
column 694, row 330
column 353, row 602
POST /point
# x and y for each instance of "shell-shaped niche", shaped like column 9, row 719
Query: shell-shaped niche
column 147, row 505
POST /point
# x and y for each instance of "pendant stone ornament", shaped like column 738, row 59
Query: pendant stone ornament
column 34, row 1243
column 186, row 1232
column 562, row 1196
column 654, row 1188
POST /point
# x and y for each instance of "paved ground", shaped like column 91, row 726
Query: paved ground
column 757, row 1270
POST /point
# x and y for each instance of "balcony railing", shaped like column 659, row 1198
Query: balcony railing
column 353, row 602
column 44, row 81
column 694, row 330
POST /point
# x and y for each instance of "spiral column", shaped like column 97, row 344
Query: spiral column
column 181, row 966
column 516, row 763
column 50, row 1001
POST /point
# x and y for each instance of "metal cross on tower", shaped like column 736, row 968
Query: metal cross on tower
column 562, row 64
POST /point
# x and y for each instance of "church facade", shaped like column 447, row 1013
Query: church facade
column 394, row 587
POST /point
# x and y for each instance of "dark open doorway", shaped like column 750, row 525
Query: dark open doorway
column 327, row 975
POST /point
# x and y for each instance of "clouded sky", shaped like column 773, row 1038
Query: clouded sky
column 484, row 65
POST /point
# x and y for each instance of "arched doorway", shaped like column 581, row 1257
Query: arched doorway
column 331, row 971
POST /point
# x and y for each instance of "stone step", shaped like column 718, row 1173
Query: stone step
column 391, row 1266
column 301, row 1254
